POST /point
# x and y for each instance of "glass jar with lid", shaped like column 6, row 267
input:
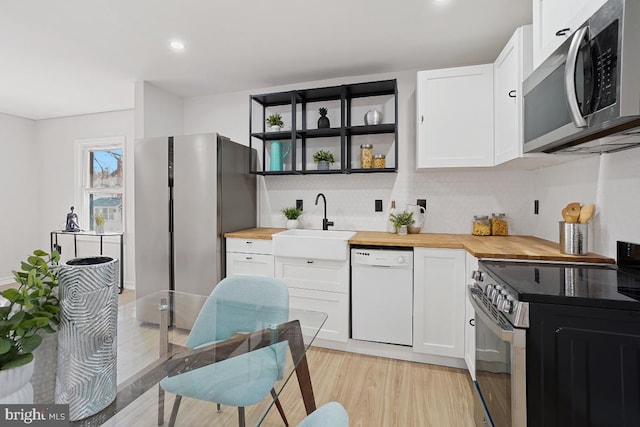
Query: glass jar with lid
column 499, row 224
column 379, row 161
column 366, row 156
column 481, row 226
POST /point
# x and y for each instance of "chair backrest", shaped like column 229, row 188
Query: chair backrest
column 240, row 303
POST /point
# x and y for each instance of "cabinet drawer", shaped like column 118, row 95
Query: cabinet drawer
column 250, row 246
column 253, row 264
column 313, row 274
column 336, row 305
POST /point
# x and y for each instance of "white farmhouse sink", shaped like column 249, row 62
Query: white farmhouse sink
column 316, row 244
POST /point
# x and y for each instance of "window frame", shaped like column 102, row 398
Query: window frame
column 82, row 169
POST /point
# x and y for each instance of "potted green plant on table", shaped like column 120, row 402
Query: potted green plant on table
column 401, row 221
column 292, row 214
column 100, row 220
column 323, row 159
column 274, row 121
column 26, row 312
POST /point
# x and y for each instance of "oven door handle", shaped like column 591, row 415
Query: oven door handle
column 504, row 332
column 570, row 78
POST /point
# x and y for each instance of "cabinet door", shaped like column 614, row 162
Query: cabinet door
column 469, row 326
column 253, row 264
column 455, row 117
column 319, row 285
column 551, row 16
column 439, row 301
column 509, row 71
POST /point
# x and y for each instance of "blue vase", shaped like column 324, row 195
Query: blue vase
column 277, row 156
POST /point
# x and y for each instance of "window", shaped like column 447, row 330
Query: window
column 100, row 182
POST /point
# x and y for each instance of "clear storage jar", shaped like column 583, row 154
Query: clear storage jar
column 366, row 156
column 499, row 224
column 379, row 161
column 481, row 226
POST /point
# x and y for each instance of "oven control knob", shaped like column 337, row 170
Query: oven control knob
column 498, row 299
column 488, row 291
column 507, row 306
column 477, row 275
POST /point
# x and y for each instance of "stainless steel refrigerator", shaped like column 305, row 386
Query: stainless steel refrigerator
column 189, row 191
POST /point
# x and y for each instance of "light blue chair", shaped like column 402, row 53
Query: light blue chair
column 237, row 304
column 330, row 414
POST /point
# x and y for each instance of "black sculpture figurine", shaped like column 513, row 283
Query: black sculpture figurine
column 72, row 221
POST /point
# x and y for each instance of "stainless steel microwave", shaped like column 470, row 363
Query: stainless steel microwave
column 585, row 98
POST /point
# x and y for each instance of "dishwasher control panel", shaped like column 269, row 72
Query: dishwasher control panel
column 382, row 258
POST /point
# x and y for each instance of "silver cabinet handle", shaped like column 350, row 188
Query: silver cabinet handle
column 570, row 78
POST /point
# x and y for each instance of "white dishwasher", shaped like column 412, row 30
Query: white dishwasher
column 382, row 295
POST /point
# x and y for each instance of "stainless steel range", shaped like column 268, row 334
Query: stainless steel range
column 558, row 344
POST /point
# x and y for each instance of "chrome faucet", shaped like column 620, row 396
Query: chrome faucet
column 325, row 222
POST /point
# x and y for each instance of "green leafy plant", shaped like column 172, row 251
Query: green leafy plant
column 292, row 212
column 275, row 120
column 33, row 308
column 99, row 219
column 323, row 155
column 399, row 219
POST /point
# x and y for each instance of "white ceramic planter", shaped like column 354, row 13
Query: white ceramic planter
column 293, row 223
column 15, row 386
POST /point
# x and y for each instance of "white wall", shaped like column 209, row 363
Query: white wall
column 55, row 142
column 611, row 181
column 453, row 196
column 157, row 112
column 20, row 190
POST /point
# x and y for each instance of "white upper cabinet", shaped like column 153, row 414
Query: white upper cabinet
column 509, row 71
column 555, row 20
column 455, row 117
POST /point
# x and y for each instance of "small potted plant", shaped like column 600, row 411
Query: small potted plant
column 401, row 221
column 99, row 219
column 323, row 159
column 292, row 214
column 274, row 121
column 25, row 313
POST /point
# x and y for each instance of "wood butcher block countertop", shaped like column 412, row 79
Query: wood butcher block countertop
column 508, row 247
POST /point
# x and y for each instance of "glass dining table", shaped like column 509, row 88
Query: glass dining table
column 149, row 351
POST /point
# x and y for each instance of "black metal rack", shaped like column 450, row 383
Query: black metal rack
column 345, row 132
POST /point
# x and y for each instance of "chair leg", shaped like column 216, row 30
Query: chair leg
column 218, row 410
column 279, row 406
column 174, row 411
column 240, row 416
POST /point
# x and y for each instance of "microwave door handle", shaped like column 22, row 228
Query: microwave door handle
column 570, row 78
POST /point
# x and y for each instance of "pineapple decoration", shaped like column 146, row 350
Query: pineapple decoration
column 323, row 121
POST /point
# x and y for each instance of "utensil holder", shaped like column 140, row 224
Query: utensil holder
column 574, row 238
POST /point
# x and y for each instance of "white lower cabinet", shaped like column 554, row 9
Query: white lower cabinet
column 319, row 285
column 250, row 256
column 439, row 301
column 469, row 326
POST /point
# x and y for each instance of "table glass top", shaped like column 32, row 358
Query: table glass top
column 154, row 344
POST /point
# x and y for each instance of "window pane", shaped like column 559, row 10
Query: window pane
column 110, row 207
column 106, row 168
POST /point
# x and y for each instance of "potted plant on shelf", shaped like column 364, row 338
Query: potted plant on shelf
column 25, row 313
column 100, row 220
column 292, row 214
column 401, row 221
column 274, row 121
column 323, row 159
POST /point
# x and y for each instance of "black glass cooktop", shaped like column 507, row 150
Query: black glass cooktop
column 558, row 283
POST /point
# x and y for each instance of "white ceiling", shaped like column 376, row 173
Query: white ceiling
column 69, row 57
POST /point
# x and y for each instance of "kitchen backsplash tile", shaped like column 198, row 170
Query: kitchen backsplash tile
column 453, row 197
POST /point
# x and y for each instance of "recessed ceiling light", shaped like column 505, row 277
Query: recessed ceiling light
column 177, row 45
